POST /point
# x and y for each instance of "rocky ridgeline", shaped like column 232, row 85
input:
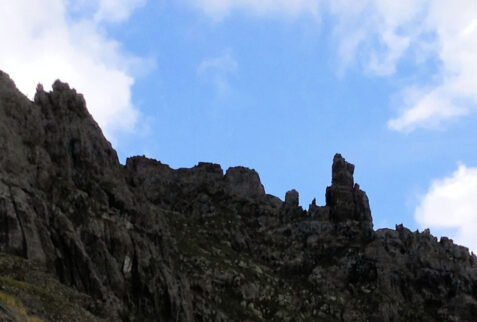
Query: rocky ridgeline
column 85, row 238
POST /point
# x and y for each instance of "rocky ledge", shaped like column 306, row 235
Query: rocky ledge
column 84, row 238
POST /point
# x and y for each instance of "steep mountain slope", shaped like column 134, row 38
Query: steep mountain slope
column 141, row 241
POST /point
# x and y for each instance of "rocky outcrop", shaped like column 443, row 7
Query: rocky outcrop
column 65, row 205
column 143, row 241
column 243, row 182
column 349, row 205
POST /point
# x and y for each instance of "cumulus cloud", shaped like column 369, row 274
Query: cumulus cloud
column 382, row 32
column 50, row 39
column 450, row 205
column 218, row 69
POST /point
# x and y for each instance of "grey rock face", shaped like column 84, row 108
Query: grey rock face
column 65, row 204
column 243, row 182
column 144, row 242
column 342, row 172
column 291, row 198
column 348, row 204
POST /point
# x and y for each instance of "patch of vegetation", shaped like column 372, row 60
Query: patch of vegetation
column 17, row 307
column 34, row 295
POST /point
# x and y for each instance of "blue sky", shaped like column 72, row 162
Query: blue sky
column 278, row 86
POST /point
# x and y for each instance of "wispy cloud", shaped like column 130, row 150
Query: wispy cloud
column 378, row 31
column 219, row 9
column 450, row 206
column 219, row 69
column 455, row 27
column 116, row 10
column 382, row 32
column 50, row 39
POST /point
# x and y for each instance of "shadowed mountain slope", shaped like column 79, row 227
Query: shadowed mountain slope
column 84, row 238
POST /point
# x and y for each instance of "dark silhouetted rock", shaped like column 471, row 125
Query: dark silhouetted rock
column 243, row 182
column 84, row 238
column 348, row 204
column 291, row 198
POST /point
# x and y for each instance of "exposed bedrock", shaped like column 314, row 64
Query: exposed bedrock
column 143, row 241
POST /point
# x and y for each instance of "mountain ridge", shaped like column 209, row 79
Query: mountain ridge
column 142, row 241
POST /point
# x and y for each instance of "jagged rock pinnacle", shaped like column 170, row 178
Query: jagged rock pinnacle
column 292, row 198
column 346, row 200
column 342, row 172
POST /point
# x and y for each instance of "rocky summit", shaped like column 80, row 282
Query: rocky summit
column 85, row 238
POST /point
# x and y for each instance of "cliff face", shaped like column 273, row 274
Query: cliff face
column 84, row 238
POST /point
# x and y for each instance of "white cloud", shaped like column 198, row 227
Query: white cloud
column 426, row 109
column 375, row 29
column 41, row 42
column 384, row 31
column 379, row 33
column 455, row 27
column 450, row 205
column 357, row 23
column 219, row 69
